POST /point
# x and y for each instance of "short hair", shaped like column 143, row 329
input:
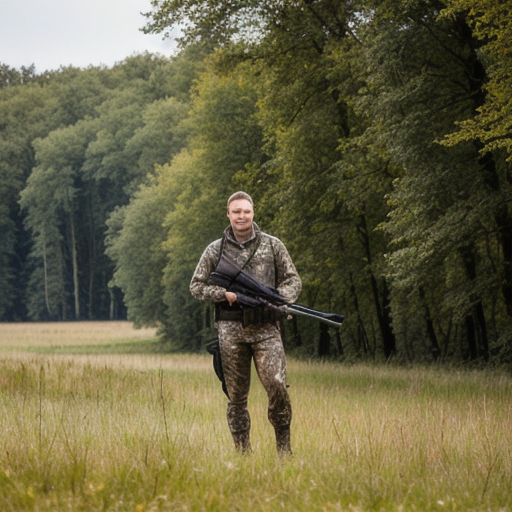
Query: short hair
column 240, row 195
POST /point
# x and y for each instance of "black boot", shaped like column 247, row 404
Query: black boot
column 283, row 441
column 242, row 442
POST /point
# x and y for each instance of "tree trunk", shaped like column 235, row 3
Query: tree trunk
column 112, row 303
column 92, row 260
column 74, row 257
column 339, row 346
column 482, row 332
column 45, row 270
column 199, row 319
column 362, row 337
column 324, row 342
column 471, row 336
column 477, row 78
column 479, row 332
column 90, row 303
column 297, row 338
column 434, row 344
column 388, row 337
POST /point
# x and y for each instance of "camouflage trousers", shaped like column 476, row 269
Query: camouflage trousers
column 262, row 344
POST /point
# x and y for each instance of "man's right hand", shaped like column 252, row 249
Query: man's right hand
column 231, row 297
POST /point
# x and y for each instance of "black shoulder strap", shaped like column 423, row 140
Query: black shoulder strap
column 276, row 276
column 253, row 252
column 221, row 250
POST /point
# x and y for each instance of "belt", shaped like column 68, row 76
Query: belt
column 224, row 312
column 230, row 315
column 248, row 316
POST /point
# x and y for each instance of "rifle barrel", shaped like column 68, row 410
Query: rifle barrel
column 331, row 319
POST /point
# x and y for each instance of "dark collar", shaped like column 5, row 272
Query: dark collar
column 228, row 233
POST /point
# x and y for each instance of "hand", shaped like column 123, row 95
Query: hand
column 231, row 297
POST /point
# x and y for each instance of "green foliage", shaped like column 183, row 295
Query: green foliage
column 492, row 27
column 313, row 190
column 217, row 22
column 101, row 132
column 352, row 101
column 24, row 117
column 10, row 76
column 446, row 205
column 373, row 136
column 134, row 243
column 157, row 239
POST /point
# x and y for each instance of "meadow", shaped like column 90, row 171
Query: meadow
column 95, row 416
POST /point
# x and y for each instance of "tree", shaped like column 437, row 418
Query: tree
column 427, row 75
column 491, row 25
column 23, row 113
column 52, row 197
column 301, row 54
column 10, row 77
column 88, row 168
column 490, row 130
column 134, row 243
column 31, row 107
column 224, row 139
column 172, row 211
column 378, row 85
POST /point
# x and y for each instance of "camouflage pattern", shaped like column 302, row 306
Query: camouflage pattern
column 272, row 266
column 263, row 344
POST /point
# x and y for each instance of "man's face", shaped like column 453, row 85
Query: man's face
column 241, row 214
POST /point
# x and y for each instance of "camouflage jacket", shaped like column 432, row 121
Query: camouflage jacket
column 271, row 265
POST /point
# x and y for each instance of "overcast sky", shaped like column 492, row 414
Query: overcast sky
column 55, row 33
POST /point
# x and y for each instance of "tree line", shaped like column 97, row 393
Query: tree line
column 374, row 136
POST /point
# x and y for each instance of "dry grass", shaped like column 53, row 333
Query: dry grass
column 67, row 341
column 144, row 432
column 20, row 335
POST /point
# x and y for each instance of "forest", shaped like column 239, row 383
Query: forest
column 375, row 137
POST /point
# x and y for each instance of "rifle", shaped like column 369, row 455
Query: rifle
column 213, row 348
column 251, row 293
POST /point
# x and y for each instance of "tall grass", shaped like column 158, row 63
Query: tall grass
column 141, row 432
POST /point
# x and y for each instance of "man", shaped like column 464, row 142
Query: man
column 266, row 259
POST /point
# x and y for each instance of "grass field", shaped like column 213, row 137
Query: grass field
column 93, row 417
